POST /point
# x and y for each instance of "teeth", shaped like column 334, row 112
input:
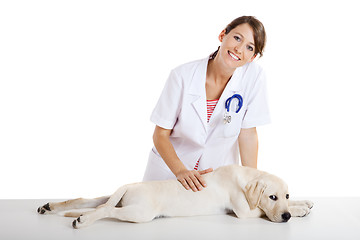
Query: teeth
column 234, row 57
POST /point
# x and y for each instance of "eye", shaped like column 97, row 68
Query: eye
column 287, row 196
column 273, row 197
column 250, row 48
column 237, row 38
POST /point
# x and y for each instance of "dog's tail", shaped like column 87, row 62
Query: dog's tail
column 113, row 202
column 114, row 199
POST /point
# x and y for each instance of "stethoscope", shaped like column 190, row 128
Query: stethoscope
column 227, row 117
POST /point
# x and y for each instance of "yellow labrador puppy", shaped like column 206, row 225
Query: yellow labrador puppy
column 245, row 191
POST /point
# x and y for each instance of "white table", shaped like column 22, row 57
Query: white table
column 331, row 218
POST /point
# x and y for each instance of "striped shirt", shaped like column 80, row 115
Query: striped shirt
column 211, row 104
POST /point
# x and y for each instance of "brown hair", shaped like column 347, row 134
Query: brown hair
column 258, row 29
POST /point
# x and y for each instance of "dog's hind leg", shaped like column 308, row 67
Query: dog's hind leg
column 134, row 213
column 131, row 213
column 102, row 211
column 79, row 203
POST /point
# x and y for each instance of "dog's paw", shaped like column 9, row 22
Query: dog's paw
column 299, row 211
column 309, row 204
column 45, row 209
column 80, row 222
column 77, row 223
column 302, row 203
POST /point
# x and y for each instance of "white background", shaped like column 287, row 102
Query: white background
column 79, row 80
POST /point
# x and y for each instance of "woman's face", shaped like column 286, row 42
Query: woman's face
column 237, row 47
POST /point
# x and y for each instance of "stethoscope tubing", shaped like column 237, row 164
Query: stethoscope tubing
column 228, row 102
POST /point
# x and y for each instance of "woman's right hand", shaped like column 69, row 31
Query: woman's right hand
column 192, row 179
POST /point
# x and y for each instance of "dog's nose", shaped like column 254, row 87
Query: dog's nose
column 286, row 216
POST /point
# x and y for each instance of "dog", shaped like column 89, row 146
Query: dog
column 244, row 191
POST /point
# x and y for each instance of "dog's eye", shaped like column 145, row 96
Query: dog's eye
column 273, row 197
column 287, row 196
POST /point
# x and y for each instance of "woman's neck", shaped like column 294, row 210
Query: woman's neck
column 217, row 73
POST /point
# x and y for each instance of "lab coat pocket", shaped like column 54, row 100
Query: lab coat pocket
column 233, row 128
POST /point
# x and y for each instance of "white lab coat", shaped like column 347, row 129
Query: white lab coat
column 182, row 108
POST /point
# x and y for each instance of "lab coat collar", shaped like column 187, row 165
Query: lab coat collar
column 232, row 87
column 198, row 92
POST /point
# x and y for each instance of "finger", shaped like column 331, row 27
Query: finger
column 191, row 184
column 206, row 171
column 195, row 179
column 184, row 183
column 201, row 181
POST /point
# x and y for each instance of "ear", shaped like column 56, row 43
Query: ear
column 222, row 35
column 254, row 190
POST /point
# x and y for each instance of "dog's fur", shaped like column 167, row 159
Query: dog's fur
column 245, row 191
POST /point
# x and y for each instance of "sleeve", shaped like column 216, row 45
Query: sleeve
column 257, row 112
column 168, row 106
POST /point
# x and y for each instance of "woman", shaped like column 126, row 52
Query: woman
column 195, row 132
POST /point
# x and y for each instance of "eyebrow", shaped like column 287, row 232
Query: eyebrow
column 244, row 37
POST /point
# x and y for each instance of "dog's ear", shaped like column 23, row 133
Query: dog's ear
column 253, row 192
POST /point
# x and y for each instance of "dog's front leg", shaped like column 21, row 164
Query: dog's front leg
column 299, row 211
column 300, row 208
column 307, row 203
column 242, row 213
column 242, row 210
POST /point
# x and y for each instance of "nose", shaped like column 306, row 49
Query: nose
column 239, row 48
column 286, row 216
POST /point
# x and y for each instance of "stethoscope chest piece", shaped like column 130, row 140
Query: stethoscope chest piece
column 227, row 118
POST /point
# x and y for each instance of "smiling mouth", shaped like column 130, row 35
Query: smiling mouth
column 233, row 56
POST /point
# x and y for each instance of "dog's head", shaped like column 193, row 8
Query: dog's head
column 270, row 194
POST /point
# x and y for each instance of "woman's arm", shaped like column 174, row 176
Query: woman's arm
column 248, row 146
column 188, row 178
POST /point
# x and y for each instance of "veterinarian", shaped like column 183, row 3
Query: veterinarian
column 198, row 128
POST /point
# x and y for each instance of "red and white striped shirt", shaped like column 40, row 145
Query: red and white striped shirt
column 211, row 104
